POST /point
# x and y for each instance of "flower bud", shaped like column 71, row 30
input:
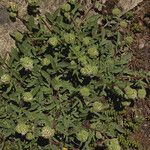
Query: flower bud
column 123, row 24
column 82, row 136
column 116, row 12
column 130, row 93
column 98, row 135
column 141, row 93
column 6, row 78
column 27, row 63
column 84, row 91
column 53, row 41
column 45, row 61
column 113, row 144
column 69, row 38
column 128, row 40
column 13, row 7
column 86, row 41
column 93, row 52
column 27, row 97
column 97, row 106
column 22, row 128
column 47, row 132
column 66, row 7
column 29, row 136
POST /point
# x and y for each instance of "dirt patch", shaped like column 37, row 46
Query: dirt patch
column 141, row 46
column 141, row 61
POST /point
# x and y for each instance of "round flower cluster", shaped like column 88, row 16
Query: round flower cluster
column 22, row 128
column 116, row 12
column 13, row 7
column 97, row 106
column 86, row 40
column 66, row 7
column 113, row 144
column 123, row 24
column 98, row 135
column 53, row 41
column 83, row 135
column 89, row 70
column 27, row 97
column 29, row 136
column 45, row 61
column 6, row 78
column 128, row 40
column 93, row 52
column 141, row 93
column 84, row 91
column 27, row 63
column 47, row 132
column 69, row 38
column 130, row 93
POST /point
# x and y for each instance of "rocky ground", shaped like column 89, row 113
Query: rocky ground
column 140, row 47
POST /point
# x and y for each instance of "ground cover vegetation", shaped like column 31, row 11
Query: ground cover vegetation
column 67, row 83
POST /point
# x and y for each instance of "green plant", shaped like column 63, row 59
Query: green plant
column 129, row 15
column 136, row 28
column 65, row 83
column 13, row 10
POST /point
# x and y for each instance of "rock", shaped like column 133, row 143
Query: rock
column 127, row 5
column 4, row 16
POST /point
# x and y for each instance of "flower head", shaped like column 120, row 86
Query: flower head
column 128, row 40
column 82, row 135
column 130, row 93
column 84, row 91
column 69, row 38
column 6, row 78
column 29, row 136
column 53, row 41
column 47, row 132
column 66, row 7
column 116, row 11
column 27, row 63
column 123, row 24
column 46, row 61
column 113, row 144
column 141, row 93
column 97, row 106
column 27, row 96
column 86, row 40
column 22, row 128
column 93, row 52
